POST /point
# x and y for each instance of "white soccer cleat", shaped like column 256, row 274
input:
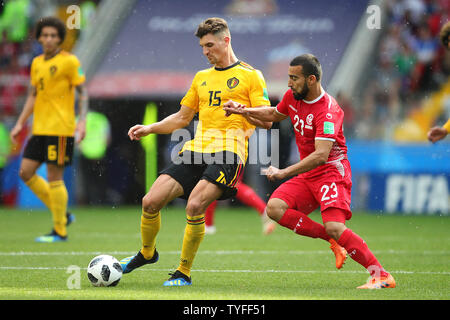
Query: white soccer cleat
column 210, row 229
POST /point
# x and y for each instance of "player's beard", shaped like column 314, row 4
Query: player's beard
column 212, row 60
column 302, row 94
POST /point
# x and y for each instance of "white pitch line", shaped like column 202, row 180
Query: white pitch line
column 247, row 271
column 64, row 253
column 217, row 252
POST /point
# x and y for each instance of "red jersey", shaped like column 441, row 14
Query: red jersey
column 320, row 119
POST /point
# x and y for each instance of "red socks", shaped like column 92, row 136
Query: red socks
column 247, row 196
column 209, row 214
column 301, row 224
column 358, row 250
column 356, row 247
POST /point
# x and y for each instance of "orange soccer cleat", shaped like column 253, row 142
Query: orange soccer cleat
column 339, row 252
column 379, row 283
column 268, row 224
column 268, row 227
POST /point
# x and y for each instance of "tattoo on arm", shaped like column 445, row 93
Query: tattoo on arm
column 83, row 102
column 32, row 91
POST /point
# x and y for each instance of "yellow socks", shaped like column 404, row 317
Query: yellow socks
column 193, row 236
column 58, row 199
column 150, row 225
column 40, row 188
column 54, row 196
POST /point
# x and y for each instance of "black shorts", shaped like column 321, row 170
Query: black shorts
column 50, row 149
column 191, row 167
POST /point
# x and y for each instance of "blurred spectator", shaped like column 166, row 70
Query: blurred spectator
column 390, row 44
column 349, row 113
column 385, row 91
column 404, row 61
column 410, row 64
column 426, row 49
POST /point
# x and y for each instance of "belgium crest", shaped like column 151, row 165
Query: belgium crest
column 232, row 82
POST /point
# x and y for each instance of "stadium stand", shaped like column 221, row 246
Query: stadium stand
column 406, row 91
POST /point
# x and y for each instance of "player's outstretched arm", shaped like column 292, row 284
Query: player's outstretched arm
column 168, row 125
column 265, row 113
column 258, row 123
column 312, row 161
column 25, row 114
column 438, row 133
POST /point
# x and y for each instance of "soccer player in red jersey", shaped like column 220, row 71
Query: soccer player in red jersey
column 322, row 178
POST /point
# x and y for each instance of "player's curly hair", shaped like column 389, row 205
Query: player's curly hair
column 444, row 34
column 211, row 25
column 51, row 22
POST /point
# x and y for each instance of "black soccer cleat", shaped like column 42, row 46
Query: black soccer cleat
column 51, row 237
column 70, row 218
column 130, row 263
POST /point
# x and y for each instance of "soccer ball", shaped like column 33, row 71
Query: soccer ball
column 104, row 271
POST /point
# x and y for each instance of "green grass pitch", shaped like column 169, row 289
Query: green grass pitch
column 238, row 262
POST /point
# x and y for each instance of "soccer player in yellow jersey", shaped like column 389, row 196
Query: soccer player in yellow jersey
column 438, row 133
column 55, row 75
column 209, row 166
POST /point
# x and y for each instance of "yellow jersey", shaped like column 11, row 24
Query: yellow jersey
column 210, row 89
column 447, row 126
column 54, row 107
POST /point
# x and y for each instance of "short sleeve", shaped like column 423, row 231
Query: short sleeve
column 33, row 80
column 76, row 74
column 447, row 126
column 191, row 99
column 328, row 123
column 258, row 91
column 282, row 106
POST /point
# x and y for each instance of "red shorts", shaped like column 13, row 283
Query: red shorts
column 330, row 189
